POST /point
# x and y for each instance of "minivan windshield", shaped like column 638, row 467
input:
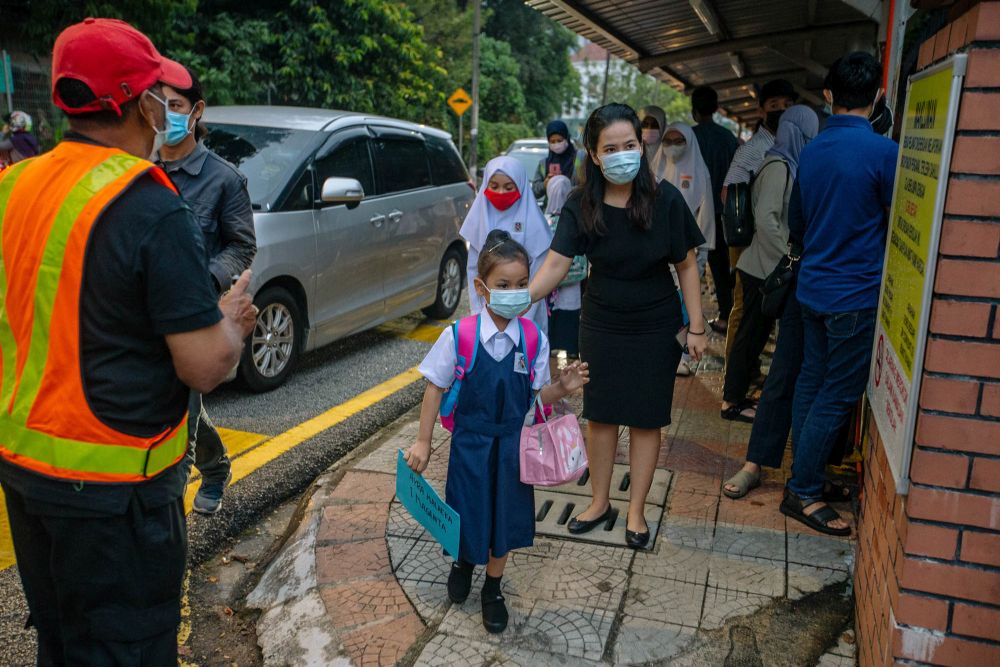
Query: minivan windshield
column 267, row 156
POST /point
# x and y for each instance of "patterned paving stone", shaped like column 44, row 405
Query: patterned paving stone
column 384, row 643
column 430, row 600
column 566, row 630
column 686, row 532
column 382, row 460
column 364, row 602
column 569, row 582
column 674, row 562
column 820, row 551
column 763, row 577
column 688, row 454
column 749, row 542
column 365, row 487
column 721, row 605
column 641, row 641
column 399, row 547
column 353, row 560
column 437, row 468
column 759, row 509
column 805, row 579
column 450, row 651
column 350, row 523
column 665, row 600
column 696, row 482
column 693, row 506
column 425, row 563
column 402, row 524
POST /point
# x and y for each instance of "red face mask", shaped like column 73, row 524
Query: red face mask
column 502, row 200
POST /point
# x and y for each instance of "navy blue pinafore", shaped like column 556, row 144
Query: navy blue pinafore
column 484, row 481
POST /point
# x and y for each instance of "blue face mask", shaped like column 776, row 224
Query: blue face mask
column 177, row 127
column 621, row 167
column 508, row 303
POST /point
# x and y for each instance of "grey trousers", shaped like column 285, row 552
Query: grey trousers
column 206, row 451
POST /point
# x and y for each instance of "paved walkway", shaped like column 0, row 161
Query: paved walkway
column 725, row 582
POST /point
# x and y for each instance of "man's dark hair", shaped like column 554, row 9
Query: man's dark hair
column 640, row 204
column 854, row 80
column 76, row 93
column 777, row 88
column 704, row 100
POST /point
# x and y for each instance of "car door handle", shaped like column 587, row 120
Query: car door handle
column 394, row 216
column 377, row 221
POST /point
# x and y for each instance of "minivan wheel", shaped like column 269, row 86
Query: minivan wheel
column 273, row 348
column 449, row 288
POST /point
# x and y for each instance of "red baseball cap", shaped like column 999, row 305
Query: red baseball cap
column 116, row 61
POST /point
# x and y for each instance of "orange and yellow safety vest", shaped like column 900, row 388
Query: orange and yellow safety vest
column 48, row 207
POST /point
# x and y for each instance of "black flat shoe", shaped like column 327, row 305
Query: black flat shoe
column 578, row 527
column 636, row 540
column 495, row 613
column 459, row 582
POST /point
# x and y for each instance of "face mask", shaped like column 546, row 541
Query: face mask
column 620, row 168
column 828, row 109
column 881, row 117
column 559, row 147
column 177, row 127
column 502, row 200
column 508, row 303
column 161, row 135
column 772, row 119
column 650, row 137
column 676, row 152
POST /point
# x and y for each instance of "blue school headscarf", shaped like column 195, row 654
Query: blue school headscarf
column 566, row 161
column 798, row 126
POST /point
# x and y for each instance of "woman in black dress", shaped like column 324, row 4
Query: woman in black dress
column 631, row 230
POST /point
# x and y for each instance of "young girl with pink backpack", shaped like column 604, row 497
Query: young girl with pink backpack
column 511, row 364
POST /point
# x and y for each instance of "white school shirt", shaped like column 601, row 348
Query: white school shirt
column 439, row 364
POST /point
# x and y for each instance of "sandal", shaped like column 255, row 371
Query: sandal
column 734, row 413
column 743, row 481
column 835, row 492
column 791, row 506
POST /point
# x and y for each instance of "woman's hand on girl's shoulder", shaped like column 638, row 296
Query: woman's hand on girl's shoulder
column 418, row 456
column 574, row 376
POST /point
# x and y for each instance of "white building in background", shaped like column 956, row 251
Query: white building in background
column 590, row 61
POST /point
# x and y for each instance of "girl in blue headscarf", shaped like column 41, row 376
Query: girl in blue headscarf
column 769, row 195
column 561, row 160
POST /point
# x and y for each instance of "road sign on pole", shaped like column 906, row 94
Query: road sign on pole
column 459, row 102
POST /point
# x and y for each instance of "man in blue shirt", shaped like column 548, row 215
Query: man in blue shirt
column 845, row 183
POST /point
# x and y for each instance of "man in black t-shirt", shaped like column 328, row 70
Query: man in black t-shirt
column 95, row 505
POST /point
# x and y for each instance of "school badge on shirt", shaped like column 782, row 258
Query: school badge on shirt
column 519, row 364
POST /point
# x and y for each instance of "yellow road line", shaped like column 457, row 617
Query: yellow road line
column 6, row 544
column 278, row 445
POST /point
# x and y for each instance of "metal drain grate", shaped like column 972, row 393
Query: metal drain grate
column 555, row 506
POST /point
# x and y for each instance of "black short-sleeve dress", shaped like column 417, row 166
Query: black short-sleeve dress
column 631, row 310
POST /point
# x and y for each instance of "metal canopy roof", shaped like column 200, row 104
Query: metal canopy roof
column 728, row 44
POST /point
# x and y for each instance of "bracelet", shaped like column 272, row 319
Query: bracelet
column 696, row 333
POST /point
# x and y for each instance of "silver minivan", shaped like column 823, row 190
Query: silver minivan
column 357, row 221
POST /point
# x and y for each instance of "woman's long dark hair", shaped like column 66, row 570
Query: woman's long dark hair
column 640, row 204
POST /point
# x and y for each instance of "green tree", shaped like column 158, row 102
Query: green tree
column 541, row 47
column 628, row 85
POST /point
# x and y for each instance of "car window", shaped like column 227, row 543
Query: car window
column 529, row 159
column 267, row 156
column 350, row 159
column 446, row 165
column 301, row 196
column 401, row 164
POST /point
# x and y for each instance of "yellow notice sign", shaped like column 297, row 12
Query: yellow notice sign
column 460, row 102
column 910, row 258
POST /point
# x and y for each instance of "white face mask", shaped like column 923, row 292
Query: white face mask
column 559, row 147
column 676, row 152
column 161, row 135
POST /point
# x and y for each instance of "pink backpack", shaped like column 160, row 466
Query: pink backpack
column 466, row 334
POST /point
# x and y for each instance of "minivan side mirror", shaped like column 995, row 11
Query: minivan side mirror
column 342, row 191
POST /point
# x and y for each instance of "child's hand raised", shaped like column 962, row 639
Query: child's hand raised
column 418, row 456
column 574, row 376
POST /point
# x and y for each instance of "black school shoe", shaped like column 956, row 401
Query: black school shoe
column 460, row 581
column 495, row 613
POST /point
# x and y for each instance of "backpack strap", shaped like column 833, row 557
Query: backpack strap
column 466, row 334
column 532, row 342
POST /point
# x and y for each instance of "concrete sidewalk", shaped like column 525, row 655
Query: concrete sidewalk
column 724, row 582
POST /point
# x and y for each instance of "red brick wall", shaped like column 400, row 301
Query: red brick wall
column 927, row 579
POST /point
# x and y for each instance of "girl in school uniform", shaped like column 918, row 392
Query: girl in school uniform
column 505, row 201
column 484, row 486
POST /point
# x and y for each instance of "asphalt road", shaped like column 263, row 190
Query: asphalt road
column 325, row 378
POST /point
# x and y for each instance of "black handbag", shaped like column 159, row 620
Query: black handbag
column 779, row 283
